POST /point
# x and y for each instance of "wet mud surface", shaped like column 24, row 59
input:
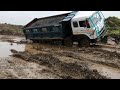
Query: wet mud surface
column 23, row 59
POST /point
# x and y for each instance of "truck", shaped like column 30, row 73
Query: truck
column 84, row 27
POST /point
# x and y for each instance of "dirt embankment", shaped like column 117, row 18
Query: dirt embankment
column 9, row 29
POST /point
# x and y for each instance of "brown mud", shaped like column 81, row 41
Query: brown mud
column 35, row 60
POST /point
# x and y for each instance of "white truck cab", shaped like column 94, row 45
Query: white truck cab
column 90, row 24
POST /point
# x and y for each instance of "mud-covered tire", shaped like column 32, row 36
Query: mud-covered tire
column 67, row 42
column 35, row 41
column 84, row 42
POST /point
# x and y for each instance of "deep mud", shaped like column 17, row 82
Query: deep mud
column 98, row 55
column 67, row 70
column 44, row 61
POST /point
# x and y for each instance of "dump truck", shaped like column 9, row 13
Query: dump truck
column 84, row 27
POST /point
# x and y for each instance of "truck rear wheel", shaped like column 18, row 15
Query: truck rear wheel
column 35, row 41
column 67, row 42
column 84, row 42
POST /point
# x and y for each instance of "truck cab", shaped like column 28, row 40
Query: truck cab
column 88, row 27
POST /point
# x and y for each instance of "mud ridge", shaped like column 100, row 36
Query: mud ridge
column 69, row 70
column 110, row 58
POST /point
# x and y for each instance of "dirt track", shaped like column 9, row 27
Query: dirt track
column 59, row 62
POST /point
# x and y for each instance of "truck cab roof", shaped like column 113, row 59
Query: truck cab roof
column 82, row 15
column 80, row 19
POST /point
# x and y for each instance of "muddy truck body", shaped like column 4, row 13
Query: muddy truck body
column 84, row 27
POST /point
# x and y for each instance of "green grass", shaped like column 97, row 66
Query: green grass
column 114, row 33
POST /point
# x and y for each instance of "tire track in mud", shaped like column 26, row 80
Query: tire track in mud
column 105, row 57
column 70, row 63
column 92, row 55
column 63, row 69
column 95, row 55
column 108, row 67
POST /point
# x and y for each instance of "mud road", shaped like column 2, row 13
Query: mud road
column 25, row 60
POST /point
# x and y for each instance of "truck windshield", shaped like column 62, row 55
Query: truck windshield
column 97, row 23
column 96, row 18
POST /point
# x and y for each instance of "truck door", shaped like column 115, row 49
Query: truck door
column 97, row 21
column 80, row 27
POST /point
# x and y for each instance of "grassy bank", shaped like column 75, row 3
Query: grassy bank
column 9, row 29
column 114, row 33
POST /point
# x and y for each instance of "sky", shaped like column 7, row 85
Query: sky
column 24, row 17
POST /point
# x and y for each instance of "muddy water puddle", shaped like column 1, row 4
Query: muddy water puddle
column 17, row 39
column 5, row 48
column 110, row 72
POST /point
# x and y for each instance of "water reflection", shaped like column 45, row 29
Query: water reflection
column 5, row 48
column 113, row 73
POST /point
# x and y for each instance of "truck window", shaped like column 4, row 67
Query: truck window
column 97, row 18
column 44, row 30
column 55, row 29
column 82, row 23
column 75, row 24
column 35, row 30
column 27, row 31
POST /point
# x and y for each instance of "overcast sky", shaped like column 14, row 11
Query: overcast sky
column 23, row 17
